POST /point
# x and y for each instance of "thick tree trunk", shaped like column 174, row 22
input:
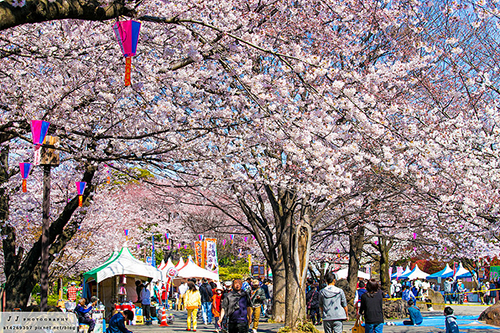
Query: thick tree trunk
column 279, row 292
column 385, row 279
column 356, row 242
column 296, row 243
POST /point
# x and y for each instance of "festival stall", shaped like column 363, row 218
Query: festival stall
column 114, row 281
column 445, row 272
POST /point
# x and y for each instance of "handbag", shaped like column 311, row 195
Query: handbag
column 358, row 328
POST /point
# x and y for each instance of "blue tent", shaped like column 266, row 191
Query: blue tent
column 395, row 275
column 444, row 273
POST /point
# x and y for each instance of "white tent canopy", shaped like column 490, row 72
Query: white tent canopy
column 165, row 267
column 180, row 264
column 406, row 271
column 191, row 270
column 461, row 273
column 123, row 263
column 416, row 273
column 342, row 274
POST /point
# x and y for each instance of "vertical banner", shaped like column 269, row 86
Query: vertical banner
column 203, row 254
column 250, row 263
column 212, row 263
column 198, row 252
column 399, row 271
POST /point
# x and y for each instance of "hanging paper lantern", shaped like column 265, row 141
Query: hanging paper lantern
column 179, row 246
column 224, row 243
column 168, row 247
column 127, row 34
column 232, row 237
column 80, row 188
column 414, row 235
column 253, row 237
column 108, row 177
column 126, row 234
column 39, row 130
column 185, row 247
column 246, row 238
column 200, row 237
column 376, row 242
column 25, row 169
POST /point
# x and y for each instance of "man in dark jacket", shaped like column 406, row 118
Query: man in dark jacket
column 117, row 322
column 235, row 306
column 206, row 301
column 312, row 301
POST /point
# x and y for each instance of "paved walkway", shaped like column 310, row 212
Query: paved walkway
column 264, row 327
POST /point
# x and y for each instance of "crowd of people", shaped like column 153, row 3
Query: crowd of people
column 232, row 306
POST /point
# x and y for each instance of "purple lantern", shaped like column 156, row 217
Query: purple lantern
column 25, row 169
column 80, row 187
column 127, row 34
column 414, row 235
column 39, row 130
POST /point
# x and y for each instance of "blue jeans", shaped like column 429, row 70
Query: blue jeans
column 374, row 328
column 206, row 309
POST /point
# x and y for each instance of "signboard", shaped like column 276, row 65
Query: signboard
column 198, row 253
column 56, row 322
column 149, row 260
column 494, row 272
column 212, row 263
column 258, row 270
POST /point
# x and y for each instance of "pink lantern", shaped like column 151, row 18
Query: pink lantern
column 25, row 169
column 200, row 237
column 126, row 234
column 127, row 34
column 179, row 246
column 185, row 247
column 246, row 238
column 80, row 188
column 224, row 242
column 39, row 130
column 414, row 235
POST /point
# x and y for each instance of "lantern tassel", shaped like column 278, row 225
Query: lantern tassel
column 25, row 188
column 80, row 201
column 128, row 70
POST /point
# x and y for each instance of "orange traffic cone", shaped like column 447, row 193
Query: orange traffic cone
column 465, row 299
column 163, row 317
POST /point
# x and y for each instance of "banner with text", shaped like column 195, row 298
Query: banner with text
column 212, row 263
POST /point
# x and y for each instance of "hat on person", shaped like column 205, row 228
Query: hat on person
column 73, row 283
column 255, row 283
column 219, row 286
column 228, row 283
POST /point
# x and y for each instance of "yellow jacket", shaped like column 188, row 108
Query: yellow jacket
column 192, row 299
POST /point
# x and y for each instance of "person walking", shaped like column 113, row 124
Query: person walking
column 332, row 305
column 371, row 307
column 258, row 296
column 312, row 301
column 182, row 291
column 450, row 321
column 192, row 301
column 235, row 306
column 216, row 306
column 206, row 301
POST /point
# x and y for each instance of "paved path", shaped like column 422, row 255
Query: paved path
column 264, row 327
